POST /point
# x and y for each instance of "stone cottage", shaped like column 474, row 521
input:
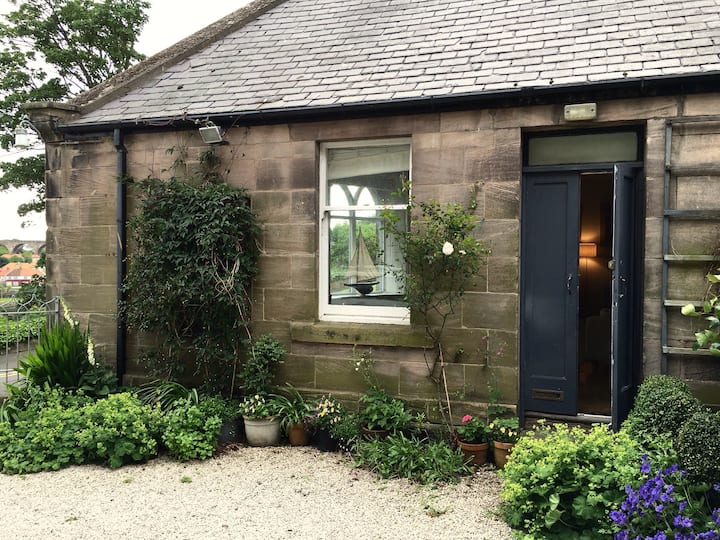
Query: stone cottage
column 591, row 128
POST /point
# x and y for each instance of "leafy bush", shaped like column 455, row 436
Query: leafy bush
column 52, row 428
column 419, row 460
column 698, row 446
column 43, row 436
column 14, row 331
column 710, row 336
column 259, row 369
column 562, row 482
column 666, row 505
column 165, row 394
column 60, row 358
column 380, row 411
column 346, row 431
column 99, row 381
column 190, row 433
column 118, row 429
column 663, row 404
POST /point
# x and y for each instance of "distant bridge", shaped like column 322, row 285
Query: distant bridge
column 17, row 246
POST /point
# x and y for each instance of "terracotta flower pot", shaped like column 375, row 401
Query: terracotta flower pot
column 298, row 435
column 371, row 434
column 476, row 453
column 501, row 451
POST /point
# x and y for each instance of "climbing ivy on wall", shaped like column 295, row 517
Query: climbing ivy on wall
column 194, row 254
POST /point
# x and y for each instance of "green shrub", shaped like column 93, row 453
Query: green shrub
column 43, row 436
column 13, row 331
column 259, row 369
column 419, row 460
column 698, row 446
column 189, row 432
column 220, row 407
column 118, row 430
column 53, row 428
column 381, row 411
column 663, row 404
column 60, row 358
column 165, row 394
column 346, row 431
column 562, row 482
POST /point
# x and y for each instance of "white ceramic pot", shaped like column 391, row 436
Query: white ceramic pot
column 262, row 431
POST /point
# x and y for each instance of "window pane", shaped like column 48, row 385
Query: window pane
column 367, row 176
column 363, row 260
column 589, row 148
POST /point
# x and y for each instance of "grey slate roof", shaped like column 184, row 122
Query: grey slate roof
column 326, row 53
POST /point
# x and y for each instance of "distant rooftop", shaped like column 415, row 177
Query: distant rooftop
column 338, row 53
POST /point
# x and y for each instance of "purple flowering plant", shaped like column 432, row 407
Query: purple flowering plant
column 666, row 506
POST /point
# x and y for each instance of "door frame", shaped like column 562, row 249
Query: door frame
column 636, row 284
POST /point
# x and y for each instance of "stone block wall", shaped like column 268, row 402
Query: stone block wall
column 452, row 152
column 82, row 235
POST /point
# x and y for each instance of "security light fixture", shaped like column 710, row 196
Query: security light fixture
column 580, row 111
column 211, row 134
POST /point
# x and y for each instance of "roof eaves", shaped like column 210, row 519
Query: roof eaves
column 133, row 76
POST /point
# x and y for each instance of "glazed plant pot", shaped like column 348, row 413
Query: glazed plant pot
column 230, row 432
column 475, row 453
column 324, row 442
column 262, row 431
column 298, row 435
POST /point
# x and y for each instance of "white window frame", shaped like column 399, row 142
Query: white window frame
column 352, row 313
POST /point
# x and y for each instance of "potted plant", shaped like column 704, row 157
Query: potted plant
column 504, row 433
column 294, row 411
column 228, row 413
column 381, row 414
column 326, row 413
column 472, row 437
column 262, row 424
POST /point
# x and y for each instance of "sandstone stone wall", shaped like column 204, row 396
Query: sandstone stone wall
column 451, row 152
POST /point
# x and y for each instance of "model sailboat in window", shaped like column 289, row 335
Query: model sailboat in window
column 361, row 275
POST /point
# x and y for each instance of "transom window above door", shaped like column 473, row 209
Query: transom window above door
column 359, row 262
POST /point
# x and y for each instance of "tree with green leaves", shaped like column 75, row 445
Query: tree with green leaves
column 51, row 50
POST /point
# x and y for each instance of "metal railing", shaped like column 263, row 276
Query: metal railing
column 20, row 325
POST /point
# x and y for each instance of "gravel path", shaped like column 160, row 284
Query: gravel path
column 266, row 493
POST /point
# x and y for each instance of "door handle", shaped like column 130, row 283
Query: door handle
column 569, row 283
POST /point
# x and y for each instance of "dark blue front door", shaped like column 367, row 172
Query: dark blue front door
column 549, row 289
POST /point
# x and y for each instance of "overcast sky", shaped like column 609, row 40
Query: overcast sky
column 169, row 22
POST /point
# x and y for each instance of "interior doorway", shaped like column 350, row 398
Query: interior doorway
column 595, row 293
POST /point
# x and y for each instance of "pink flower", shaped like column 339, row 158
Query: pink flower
column 466, row 418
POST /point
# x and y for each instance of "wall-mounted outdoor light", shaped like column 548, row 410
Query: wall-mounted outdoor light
column 23, row 133
column 588, row 249
column 580, row 111
column 211, row 134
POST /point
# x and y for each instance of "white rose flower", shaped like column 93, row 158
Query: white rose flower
column 447, row 248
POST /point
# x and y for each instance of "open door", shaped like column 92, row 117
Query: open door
column 549, row 304
column 625, row 290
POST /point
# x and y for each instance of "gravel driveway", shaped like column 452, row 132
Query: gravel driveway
column 267, row 493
